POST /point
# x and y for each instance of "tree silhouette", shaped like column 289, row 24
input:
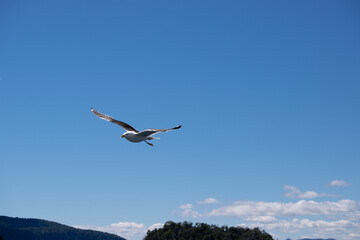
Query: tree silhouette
column 203, row 231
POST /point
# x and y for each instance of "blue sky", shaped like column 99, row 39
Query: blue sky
column 267, row 93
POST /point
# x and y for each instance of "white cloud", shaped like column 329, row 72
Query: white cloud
column 339, row 183
column 250, row 209
column 156, row 226
column 187, row 211
column 297, row 224
column 354, row 215
column 341, row 229
column 293, row 192
column 300, row 208
column 303, row 218
column 128, row 230
column 339, row 219
column 355, row 235
column 209, row 201
column 186, row 206
column 262, row 219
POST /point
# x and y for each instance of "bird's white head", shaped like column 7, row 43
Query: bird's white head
column 132, row 137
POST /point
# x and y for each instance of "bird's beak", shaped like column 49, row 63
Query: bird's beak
column 122, row 136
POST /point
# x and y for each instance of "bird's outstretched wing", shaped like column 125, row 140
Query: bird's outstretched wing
column 149, row 132
column 126, row 126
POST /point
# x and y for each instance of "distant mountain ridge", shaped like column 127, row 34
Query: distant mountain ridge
column 314, row 239
column 35, row 229
column 317, row 239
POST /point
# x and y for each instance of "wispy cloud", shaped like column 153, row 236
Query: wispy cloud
column 262, row 219
column 208, row 201
column 339, row 183
column 156, row 226
column 318, row 219
column 128, row 230
column 187, row 210
column 293, row 192
column 244, row 209
column 320, row 228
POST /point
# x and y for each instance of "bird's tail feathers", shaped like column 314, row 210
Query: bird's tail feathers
column 150, row 138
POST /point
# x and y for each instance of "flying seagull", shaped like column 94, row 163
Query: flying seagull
column 131, row 133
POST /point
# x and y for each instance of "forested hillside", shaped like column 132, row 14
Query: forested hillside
column 202, row 231
column 35, row 229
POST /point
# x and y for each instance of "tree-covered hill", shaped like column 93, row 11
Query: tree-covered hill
column 202, row 231
column 35, row 229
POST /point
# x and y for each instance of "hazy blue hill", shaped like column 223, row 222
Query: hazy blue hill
column 316, row 239
column 313, row 239
column 35, row 229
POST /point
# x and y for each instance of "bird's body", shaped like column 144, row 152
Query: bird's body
column 136, row 137
column 133, row 137
column 131, row 133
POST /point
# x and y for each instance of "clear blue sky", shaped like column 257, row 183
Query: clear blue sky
column 267, row 93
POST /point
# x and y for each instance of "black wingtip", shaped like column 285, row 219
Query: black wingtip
column 177, row 127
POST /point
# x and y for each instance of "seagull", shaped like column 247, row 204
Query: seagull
column 131, row 133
